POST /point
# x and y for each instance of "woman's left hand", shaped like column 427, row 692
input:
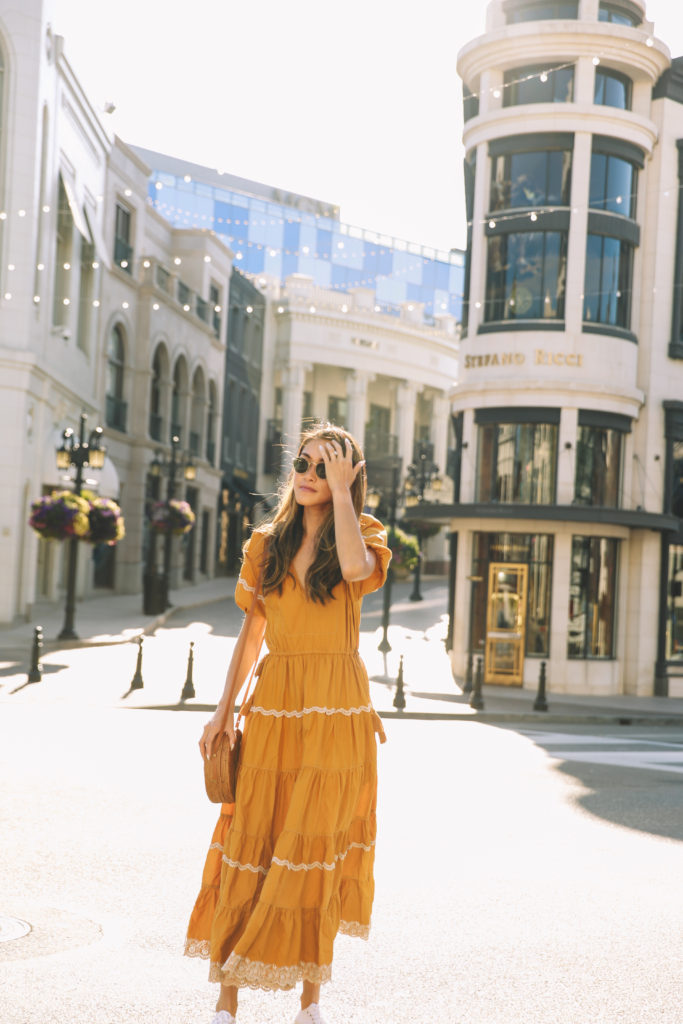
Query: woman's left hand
column 340, row 471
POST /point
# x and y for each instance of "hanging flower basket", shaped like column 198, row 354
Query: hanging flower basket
column 405, row 551
column 106, row 522
column 175, row 517
column 60, row 515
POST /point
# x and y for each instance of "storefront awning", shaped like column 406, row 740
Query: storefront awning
column 635, row 519
column 76, row 211
column 98, row 241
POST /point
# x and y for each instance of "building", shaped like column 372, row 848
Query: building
column 105, row 309
column 569, row 403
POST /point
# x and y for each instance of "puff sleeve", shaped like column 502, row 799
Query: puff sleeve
column 375, row 537
column 249, row 572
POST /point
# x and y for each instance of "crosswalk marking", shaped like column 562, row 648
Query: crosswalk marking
column 635, row 752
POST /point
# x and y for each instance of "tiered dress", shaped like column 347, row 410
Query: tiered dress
column 291, row 862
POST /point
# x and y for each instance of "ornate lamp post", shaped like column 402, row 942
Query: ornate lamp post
column 389, row 471
column 170, row 466
column 78, row 452
column 422, row 473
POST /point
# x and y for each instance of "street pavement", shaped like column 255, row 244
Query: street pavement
column 528, row 871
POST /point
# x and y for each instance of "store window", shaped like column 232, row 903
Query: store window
column 597, row 479
column 612, row 89
column 539, row 83
column 535, row 551
column 116, row 408
column 541, row 12
column 517, row 463
column 674, row 610
column 526, row 275
column 618, row 15
column 609, row 274
column 530, row 179
column 592, row 597
column 613, row 183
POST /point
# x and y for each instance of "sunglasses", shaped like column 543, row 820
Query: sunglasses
column 301, row 465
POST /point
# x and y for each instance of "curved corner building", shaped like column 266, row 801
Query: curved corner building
column 569, row 405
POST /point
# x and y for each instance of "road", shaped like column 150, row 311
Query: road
column 524, row 875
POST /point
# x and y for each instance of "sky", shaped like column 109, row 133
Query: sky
column 357, row 103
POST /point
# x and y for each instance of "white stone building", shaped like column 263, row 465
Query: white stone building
column 569, row 402
column 104, row 309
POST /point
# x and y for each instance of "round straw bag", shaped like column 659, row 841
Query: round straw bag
column 220, row 770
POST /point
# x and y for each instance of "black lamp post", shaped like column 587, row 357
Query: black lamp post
column 389, row 472
column 78, row 452
column 422, row 473
column 169, row 466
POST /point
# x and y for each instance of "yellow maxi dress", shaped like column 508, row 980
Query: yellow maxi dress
column 291, row 862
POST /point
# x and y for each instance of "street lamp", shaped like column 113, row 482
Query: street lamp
column 162, row 465
column 422, row 473
column 78, row 452
column 389, row 472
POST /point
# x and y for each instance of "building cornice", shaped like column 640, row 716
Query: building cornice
column 573, row 394
column 542, row 42
column 633, row 519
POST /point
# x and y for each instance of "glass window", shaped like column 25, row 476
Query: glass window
column 531, row 179
column 534, row 550
column 516, row 463
column 543, row 12
column 538, row 84
column 592, row 597
column 598, row 467
column 123, row 250
column 115, row 361
column 674, row 616
column 607, row 289
column 677, row 488
column 613, row 184
column 612, row 89
column 617, row 16
column 526, row 276
column 337, row 409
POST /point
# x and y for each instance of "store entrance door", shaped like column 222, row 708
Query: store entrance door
column 505, row 623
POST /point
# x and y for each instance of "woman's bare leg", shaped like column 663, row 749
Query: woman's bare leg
column 227, row 1000
column 310, row 994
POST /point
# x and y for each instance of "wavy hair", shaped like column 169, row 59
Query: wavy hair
column 285, row 531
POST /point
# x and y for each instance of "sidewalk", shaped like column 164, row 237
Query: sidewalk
column 417, row 632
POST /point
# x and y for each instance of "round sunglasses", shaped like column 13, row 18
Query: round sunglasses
column 301, row 464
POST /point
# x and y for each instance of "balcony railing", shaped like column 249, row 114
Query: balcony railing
column 184, row 294
column 156, row 426
column 123, row 254
column 116, row 412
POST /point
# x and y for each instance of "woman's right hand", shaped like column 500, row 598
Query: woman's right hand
column 222, row 722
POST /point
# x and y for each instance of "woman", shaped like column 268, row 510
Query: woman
column 290, row 863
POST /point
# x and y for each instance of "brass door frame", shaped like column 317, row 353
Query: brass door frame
column 506, row 625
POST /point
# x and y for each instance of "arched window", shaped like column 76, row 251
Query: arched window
column 116, row 354
column 197, row 412
column 211, row 425
column 179, row 398
column 156, row 395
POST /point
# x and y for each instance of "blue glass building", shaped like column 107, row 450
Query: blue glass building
column 279, row 233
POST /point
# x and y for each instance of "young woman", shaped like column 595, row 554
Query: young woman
column 290, row 863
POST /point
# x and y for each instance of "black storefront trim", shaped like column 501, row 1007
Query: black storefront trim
column 613, row 225
column 630, row 518
column 500, row 326
column 536, row 143
column 609, row 329
column 670, row 84
column 611, row 146
column 676, row 343
column 608, row 420
column 518, row 414
column 510, row 224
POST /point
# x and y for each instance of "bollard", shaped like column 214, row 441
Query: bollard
column 400, row 698
column 477, row 700
column 136, row 682
column 541, row 704
column 468, row 674
column 34, row 673
column 188, row 688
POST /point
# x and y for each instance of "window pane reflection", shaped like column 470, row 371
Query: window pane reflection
column 517, row 463
column 592, row 597
column 613, row 184
column 526, row 276
column 598, row 467
column 674, row 617
column 607, row 293
column 538, row 84
column 612, row 90
column 531, row 179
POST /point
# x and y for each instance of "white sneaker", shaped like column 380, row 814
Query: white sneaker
column 223, row 1017
column 311, row 1015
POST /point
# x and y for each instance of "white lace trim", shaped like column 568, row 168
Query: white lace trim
column 354, row 929
column 198, row 947
column 282, row 863
column 276, row 713
column 216, row 846
column 252, row 590
column 237, row 970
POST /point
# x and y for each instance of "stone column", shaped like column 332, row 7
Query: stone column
column 406, row 397
column 439, row 432
column 357, row 396
column 293, row 380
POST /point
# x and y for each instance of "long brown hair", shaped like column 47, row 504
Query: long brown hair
column 286, row 529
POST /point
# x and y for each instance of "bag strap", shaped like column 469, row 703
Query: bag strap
column 250, row 615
